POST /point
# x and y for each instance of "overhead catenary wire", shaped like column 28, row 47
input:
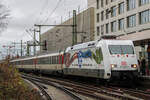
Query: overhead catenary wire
column 53, row 11
column 42, row 11
column 29, row 33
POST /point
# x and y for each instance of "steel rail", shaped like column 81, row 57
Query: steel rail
column 74, row 96
column 91, row 91
column 41, row 88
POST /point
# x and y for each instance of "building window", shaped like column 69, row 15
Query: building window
column 102, row 29
column 102, row 15
column 144, row 17
column 143, row 2
column 113, row 13
column 97, row 17
column 131, row 4
column 107, row 13
column 102, row 3
column 121, row 8
column 97, row 3
column 121, row 24
column 113, row 26
column 107, row 28
column 131, row 21
column 98, row 31
column 106, row 2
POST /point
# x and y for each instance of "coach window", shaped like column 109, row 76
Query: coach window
column 37, row 61
column 55, row 59
column 58, row 59
column 40, row 60
column 30, row 62
column 16, row 62
column 46, row 60
column 50, row 60
column 26, row 62
column 43, row 60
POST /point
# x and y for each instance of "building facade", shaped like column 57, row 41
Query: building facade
column 121, row 17
column 128, row 19
column 59, row 38
column 91, row 3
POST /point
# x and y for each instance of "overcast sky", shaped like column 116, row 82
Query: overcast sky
column 25, row 13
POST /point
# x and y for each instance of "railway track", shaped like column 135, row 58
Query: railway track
column 44, row 92
column 43, row 81
column 98, row 92
column 137, row 93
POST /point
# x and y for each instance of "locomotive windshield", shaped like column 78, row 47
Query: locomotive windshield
column 121, row 49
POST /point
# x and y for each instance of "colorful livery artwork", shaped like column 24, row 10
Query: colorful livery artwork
column 92, row 54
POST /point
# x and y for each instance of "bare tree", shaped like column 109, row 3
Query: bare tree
column 4, row 16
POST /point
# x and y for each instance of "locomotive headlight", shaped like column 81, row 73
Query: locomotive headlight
column 134, row 66
column 113, row 65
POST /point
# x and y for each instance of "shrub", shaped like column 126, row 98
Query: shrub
column 12, row 86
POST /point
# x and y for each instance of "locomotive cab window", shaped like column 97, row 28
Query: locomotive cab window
column 121, row 49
